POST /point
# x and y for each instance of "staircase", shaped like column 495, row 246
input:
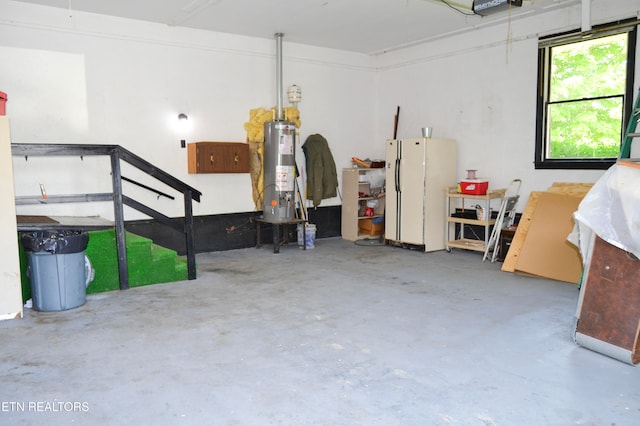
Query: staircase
column 119, row 199
column 148, row 263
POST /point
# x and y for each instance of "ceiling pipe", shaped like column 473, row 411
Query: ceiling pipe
column 586, row 15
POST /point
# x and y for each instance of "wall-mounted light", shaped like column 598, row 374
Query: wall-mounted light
column 183, row 127
column 181, row 123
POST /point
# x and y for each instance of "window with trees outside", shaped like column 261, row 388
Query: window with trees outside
column 585, row 97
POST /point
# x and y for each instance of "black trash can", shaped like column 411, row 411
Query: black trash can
column 58, row 268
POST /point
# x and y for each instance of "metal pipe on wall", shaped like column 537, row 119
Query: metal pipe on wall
column 279, row 36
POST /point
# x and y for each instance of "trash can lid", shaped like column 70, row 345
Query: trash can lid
column 56, row 242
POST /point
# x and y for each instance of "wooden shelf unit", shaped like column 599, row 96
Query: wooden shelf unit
column 355, row 224
column 454, row 198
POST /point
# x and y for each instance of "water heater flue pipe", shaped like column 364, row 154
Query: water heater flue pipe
column 279, row 36
column 279, row 159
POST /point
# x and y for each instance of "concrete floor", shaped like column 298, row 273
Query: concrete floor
column 338, row 335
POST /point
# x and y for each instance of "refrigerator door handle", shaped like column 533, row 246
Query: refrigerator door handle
column 397, row 175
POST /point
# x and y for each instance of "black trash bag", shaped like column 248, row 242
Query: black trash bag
column 56, row 242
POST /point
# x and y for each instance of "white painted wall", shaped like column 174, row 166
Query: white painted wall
column 480, row 89
column 97, row 79
column 104, row 80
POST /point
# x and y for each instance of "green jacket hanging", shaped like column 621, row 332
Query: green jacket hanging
column 322, row 178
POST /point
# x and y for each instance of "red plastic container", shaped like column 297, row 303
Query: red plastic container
column 3, row 103
column 474, row 186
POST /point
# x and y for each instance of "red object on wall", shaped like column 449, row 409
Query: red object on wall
column 3, row 103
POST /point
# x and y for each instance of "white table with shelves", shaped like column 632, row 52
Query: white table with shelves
column 469, row 202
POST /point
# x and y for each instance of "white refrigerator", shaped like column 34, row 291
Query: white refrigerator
column 418, row 172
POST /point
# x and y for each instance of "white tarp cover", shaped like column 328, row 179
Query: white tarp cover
column 611, row 210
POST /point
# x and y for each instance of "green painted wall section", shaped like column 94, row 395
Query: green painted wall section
column 148, row 263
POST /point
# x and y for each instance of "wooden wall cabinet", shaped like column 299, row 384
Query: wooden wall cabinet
column 218, row 157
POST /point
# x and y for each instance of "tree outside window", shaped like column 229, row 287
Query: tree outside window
column 585, row 91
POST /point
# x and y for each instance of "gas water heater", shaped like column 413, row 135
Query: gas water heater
column 279, row 157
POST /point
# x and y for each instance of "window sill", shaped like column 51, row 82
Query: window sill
column 575, row 164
